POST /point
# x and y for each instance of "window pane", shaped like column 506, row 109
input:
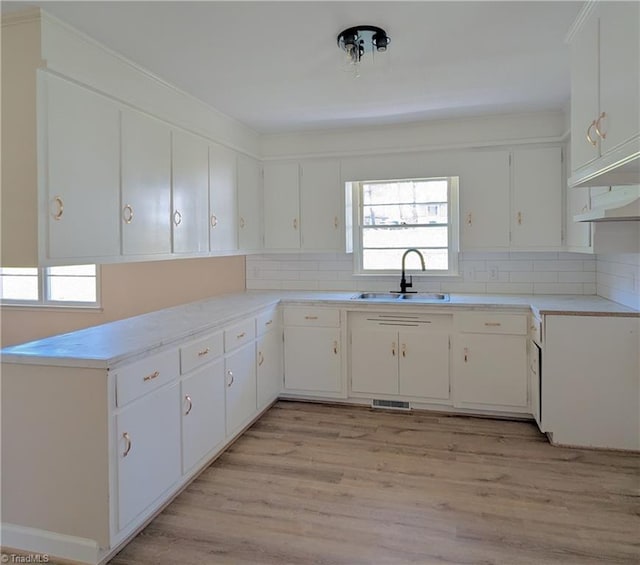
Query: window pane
column 72, row 289
column 383, row 259
column 86, row 270
column 405, row 237
column 31, row 271
column 19, row 287
column 405, row 191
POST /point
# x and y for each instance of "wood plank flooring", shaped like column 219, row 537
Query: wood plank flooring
column 312, row 483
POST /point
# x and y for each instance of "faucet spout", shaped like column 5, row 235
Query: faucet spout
column 403, row 281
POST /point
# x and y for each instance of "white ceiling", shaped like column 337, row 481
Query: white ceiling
column 275, row 66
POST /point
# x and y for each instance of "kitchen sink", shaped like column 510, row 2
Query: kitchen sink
column 393, row 296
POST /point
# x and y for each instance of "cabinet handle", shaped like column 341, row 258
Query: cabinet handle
column 241, row 222
column 519, row 218
column 268, row 323
column 335, row 347
column 466, row 354
column 240, row 335
column 260, row 358
column 127, row 214
column 177, row 218
column 214, row 220
column 404, row 349
column 585, row 208
column 492, row 324
column 295, row 223
column 469, row 219
column 601, row 134
column 393, row 348
column 203, row 352
column 589, row 139
column 188, row 399
column 126, row 437
column 230, row 373
column 59, row 207
column 152, row 376
column 335, row 222
column 311, row 317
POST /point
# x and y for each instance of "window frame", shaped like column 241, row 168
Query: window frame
column 453, row 232
column 43, row 291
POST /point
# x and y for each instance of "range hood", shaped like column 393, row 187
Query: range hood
column 617, row 211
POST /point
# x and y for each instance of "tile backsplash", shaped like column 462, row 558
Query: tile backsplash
column 618, row 277
column 486, row 273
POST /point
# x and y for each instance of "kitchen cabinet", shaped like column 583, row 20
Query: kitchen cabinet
column 578, row 235
column 490, row 361
column 321, row 198
column 536, row 203
column 203, row 413
column 281, row 191
column 590, row 391
column 605, row 95
column 240, row 380
column 249, row 204
column 146, row 185
column 223, row 200
column 400, row 354
column 81, row 176
column 190, row 193
column 269, row 373
column 313, row 352
column 148, row 443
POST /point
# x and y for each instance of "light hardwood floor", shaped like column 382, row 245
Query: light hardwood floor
column 311, row 483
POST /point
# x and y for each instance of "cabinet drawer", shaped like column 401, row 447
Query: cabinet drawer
column 199, row 352
column 487, row 322
column 141, row 377
column 266, row 321
column 325, row 317
column 239, row 334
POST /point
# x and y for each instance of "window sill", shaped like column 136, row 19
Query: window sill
column 50, row 307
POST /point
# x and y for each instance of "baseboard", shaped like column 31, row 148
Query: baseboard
column 44, row 543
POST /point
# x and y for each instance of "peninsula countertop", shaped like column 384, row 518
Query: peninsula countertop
column 107, row 345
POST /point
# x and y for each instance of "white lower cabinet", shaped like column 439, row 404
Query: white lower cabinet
column 240, row 379
column 410, row 362
column 148, row 444
column 490, row 361
column 203, row 413
column 269, row 367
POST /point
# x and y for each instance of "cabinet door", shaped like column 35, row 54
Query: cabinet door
column 536, row 211
column 619, row 72
column 249, row 231
column 312, row 359
column 578, row 234
column 424, row 364
column 82, row 177
column 584, row 92
column 146, row 185
column 223, row 211
column 321, row 198
column 484, row 200
column 491, row 369
column 148, row 444
column 269, row 367
column 240, row 379
column 374, row 361
column 203, row 416
column 190, row 221
column 281, row 206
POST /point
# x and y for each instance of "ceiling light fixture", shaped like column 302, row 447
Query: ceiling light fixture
column 357, row 41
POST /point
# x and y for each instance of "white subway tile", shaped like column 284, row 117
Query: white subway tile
column 557, row 288
column 471, row 287
column 338, row 285
column 534, row 276
column 264, row 285
column 485, row 276
column 589, row 288
column 511, row 265
column 576, row 277
column 301, row 285
column 318, row 275
column 509, row 288
column 533, row 255
column 557, row 265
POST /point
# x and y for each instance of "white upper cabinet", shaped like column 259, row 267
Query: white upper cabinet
column 281, row 191
column 249, row 227
column 484, row 200
column 536, row 205
column 223, row 203
column 190, row 189
column 321, row 211
column 146, row 185
column 605, row 95
column 81, row 173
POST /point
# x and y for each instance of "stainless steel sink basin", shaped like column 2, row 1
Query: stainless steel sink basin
column 393, row 296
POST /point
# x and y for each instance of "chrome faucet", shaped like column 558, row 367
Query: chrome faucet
column 404, row 285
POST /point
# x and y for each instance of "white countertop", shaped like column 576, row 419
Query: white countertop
column 110, row 344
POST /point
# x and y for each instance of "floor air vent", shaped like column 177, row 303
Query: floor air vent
column 390, row 405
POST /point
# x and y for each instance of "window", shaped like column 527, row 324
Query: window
column 52, row 286
column 394, row 215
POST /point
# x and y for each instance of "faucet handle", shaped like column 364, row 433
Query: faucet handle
column 410, row 283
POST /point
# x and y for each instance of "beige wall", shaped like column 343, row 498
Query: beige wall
column 127, row 290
